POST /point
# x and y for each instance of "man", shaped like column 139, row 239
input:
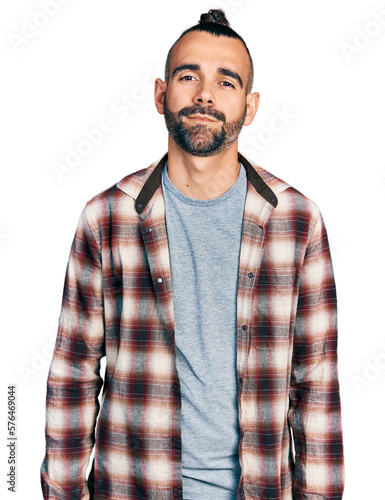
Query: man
column 207, row 284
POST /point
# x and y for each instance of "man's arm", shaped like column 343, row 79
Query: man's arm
column 74, row 380
column 315, row 411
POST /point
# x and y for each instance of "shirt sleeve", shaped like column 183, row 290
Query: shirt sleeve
column 74, row 380
column 314, row 403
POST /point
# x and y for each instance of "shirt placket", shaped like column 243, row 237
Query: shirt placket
column 154, row 233
column 256, row 215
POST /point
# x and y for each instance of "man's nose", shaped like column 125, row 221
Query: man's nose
column 204, row 95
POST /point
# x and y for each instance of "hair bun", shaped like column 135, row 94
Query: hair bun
column 214, row 16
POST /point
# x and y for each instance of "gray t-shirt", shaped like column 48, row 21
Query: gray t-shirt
column 204, row 241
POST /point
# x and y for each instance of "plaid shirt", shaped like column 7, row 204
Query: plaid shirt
column 117, row 302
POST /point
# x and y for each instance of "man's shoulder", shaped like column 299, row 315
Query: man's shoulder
column 289, row 198
column 113, row 203
column 276, row 184
column 131, row 184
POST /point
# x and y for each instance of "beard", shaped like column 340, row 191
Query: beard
column 202, row 139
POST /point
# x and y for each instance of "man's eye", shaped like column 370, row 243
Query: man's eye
column 186, row 76
column 229, row 84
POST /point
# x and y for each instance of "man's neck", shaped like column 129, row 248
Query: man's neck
column 202, row 177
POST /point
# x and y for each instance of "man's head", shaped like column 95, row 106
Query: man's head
column 214, row 22
column 208, row 75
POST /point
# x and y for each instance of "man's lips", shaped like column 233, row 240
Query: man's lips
column 202, row 118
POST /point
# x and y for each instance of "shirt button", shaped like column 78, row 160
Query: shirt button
column 171, row 332
column 260, row 227
column 175, row 386
column 148, row 230
column 250, row 275
column 244, row 327
column 160, row 280
column 139, row 205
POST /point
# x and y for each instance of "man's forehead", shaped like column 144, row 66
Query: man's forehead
column 201, row 46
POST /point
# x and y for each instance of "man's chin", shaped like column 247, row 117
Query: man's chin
column 202, row 154
column 200, row 150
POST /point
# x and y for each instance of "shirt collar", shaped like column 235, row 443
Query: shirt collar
column 153, row 181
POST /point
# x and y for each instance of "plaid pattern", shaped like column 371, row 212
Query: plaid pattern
column 117, row 302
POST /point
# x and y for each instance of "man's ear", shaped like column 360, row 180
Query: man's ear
column 252, row 103
column 160, row 90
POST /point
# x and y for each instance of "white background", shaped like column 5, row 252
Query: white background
column 313, row 63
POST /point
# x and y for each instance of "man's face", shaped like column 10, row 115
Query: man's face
column 204, row 108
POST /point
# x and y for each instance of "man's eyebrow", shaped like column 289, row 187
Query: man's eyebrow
column 182, row 67
column 196, row 67
column 232, row 74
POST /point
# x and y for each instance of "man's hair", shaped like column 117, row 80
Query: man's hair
column 216, row 23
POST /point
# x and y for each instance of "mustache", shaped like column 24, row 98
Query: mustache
column 192, row 110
